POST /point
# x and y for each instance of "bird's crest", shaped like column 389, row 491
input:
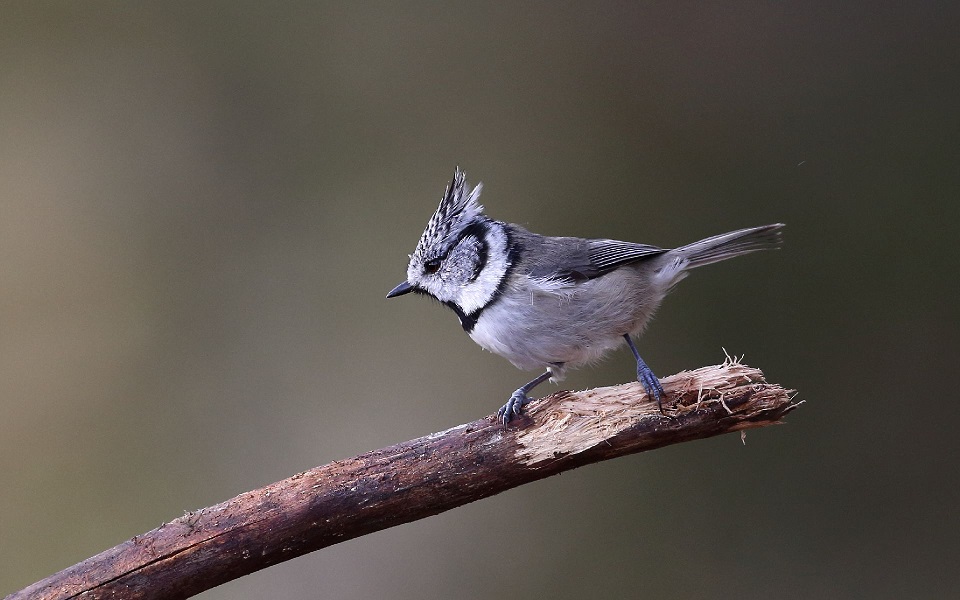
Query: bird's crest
column 456, row 211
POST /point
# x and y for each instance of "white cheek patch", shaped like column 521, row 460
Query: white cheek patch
column 479, row 292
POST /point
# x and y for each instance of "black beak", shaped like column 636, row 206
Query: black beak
column 403, row 288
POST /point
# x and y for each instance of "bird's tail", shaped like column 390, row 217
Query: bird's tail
column 727, row 245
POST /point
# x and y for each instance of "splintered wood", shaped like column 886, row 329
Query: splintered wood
column 573, row 422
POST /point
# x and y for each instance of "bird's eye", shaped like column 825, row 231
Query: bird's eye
column 431, row 266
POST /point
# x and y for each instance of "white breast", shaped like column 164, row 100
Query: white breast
column 535, row 323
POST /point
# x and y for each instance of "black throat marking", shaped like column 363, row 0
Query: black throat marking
column 468, row 322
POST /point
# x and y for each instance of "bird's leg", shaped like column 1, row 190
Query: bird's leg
column 519, row 398
column 645, row 376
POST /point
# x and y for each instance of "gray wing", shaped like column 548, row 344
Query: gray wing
column 576, row 259
column 607, row 255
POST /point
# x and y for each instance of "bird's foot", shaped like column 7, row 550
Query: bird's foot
column 651, row 384
column 513, row 406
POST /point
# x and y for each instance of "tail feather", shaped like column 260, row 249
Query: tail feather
column 727, row 245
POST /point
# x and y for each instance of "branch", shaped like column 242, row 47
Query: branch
column 416, row 479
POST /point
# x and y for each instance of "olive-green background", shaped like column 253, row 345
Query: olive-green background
column 202, row 206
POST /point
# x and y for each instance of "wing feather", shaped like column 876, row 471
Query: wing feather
column 607, row 255
column 578, row 259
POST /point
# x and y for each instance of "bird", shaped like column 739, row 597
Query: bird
column 552, row 303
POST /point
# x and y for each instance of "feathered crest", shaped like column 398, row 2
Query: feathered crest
column 456, row 211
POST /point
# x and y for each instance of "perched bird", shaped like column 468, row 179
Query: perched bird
column 552, row 303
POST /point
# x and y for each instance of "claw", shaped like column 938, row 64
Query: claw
column 645, row 376
column 513, row 407
column 651, row 384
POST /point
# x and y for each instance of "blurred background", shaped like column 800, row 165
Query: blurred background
column 202, row 206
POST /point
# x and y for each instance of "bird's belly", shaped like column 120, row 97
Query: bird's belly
column 536, row 329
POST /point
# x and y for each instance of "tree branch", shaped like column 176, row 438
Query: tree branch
column 416, row 479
